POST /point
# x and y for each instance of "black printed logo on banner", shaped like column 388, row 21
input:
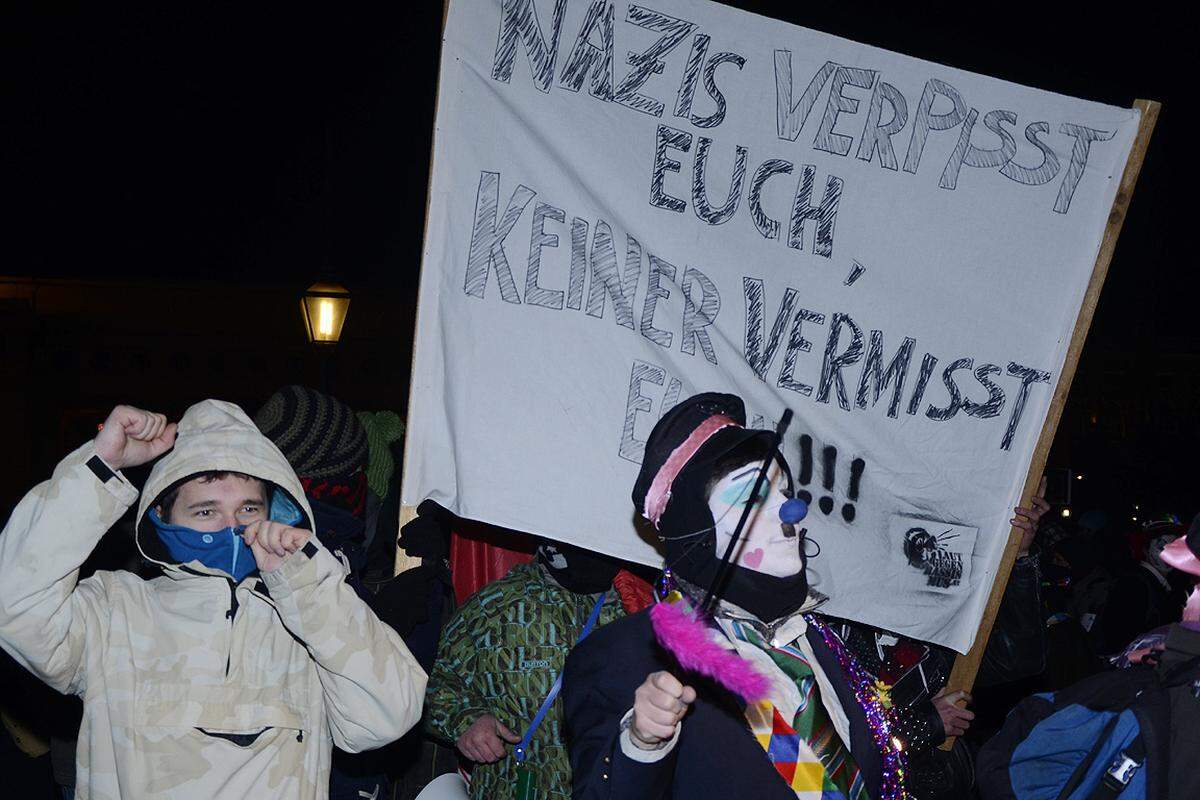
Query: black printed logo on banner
column 929, row 553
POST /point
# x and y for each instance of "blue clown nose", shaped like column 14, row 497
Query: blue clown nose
column 792, row 511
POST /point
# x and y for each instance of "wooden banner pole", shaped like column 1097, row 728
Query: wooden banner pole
column 407, row 513
column 962, row 676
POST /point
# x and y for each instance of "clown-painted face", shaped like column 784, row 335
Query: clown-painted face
column 767, row 545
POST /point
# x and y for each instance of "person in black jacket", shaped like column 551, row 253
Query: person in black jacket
column 638, row 726
column 1147, row 595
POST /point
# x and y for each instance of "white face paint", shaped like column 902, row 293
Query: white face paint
column 767, row 545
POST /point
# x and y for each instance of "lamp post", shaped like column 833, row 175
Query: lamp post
column 324, row 307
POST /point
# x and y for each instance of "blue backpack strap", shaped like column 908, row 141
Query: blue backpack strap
column 522, row 749
column 1121, row 772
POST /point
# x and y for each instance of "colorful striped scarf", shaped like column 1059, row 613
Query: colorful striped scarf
column 801, row 742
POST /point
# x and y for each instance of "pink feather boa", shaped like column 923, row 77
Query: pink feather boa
column 685, row 634
column 1181, row 557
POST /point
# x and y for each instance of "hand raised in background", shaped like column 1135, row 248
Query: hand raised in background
column 1027, row 518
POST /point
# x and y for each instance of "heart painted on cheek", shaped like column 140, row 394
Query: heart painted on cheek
column 753, row 558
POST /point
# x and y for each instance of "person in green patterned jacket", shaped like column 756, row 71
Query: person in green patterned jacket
column 498, row 659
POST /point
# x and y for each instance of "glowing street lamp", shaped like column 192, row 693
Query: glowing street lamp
column 324, row 307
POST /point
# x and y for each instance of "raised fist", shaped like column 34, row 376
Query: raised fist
column 131, row 437
column 658, row 705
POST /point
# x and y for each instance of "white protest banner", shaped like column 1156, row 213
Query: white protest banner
column 632, row 203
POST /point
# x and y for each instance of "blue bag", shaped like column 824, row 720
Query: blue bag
column 1107, row 736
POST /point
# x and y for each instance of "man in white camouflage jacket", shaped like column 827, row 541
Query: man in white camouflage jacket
column 233, row 673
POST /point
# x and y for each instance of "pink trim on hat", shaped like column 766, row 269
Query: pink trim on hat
column 1181, row 557
column 660, row 488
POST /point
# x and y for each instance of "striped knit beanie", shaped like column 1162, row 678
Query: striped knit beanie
column 319, row 435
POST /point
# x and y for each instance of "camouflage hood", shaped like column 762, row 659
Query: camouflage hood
column 214, row 435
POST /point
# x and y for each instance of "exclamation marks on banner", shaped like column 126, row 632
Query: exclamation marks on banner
column 829, row 456
column 806, row 465
column 856, row 471
column 829, row 466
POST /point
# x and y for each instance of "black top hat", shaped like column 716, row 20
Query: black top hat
column 680, row 422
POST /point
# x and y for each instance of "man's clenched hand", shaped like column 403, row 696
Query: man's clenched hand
column 271, row 542
column 658, row 705
column 131, row 437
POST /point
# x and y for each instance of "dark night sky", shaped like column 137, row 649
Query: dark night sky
column 186, row 142
column 179, row 143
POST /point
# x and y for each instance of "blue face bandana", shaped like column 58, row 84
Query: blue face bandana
column 224, row 549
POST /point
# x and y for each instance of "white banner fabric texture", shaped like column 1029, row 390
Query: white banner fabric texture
column 632, row 203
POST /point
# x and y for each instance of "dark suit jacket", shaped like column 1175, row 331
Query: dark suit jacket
column 716, row 755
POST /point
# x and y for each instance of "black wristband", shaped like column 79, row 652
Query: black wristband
column 100, row 469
